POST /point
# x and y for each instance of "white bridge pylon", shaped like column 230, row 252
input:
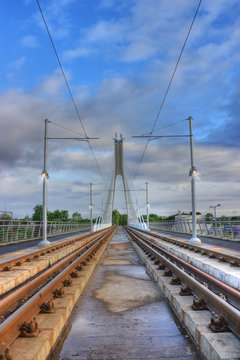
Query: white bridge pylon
column 132, row 213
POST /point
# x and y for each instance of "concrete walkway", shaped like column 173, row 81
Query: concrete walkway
column 122, row 315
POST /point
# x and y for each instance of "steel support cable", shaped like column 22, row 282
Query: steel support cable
column 68, row 87
column 167, row 126
column 65, row 128
column 168, row 87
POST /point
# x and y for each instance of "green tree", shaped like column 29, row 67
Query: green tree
column 209, row 217
column 5, row 216
column 64, row 215
column 235, row 218
column 153, row 217
column 224, row 218
column 56, row 215
column 50, row 216
column 38, row 211
column 60, row 215
column 116, row 217
column 123, row 219
column 171, row 217
column 77, row 217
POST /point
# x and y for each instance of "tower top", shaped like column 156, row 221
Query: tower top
column 116, row 140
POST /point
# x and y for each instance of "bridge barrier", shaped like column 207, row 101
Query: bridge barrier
column 218, row 228
column 18, row 230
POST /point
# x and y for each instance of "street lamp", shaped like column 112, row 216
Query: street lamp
column 193, row 173
column 215, row 212
column 91, row 207
column 147, row 205
column 45, row 176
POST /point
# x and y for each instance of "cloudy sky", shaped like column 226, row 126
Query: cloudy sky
column 118, row 56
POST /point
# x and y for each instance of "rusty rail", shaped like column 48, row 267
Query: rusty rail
column 18, row 260
column 10, row 328
column 213, row 301
column 9, row 303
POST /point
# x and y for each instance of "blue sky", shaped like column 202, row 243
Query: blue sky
column 118, row 57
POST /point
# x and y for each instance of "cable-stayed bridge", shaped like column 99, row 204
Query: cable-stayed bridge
column 132, row 212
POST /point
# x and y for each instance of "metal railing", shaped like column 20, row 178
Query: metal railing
column 13, row 231
column 218, row 228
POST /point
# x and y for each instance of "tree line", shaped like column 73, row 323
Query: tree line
column 58, row 215
column 117, row 218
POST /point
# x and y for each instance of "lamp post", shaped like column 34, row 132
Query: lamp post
column 147, row 205
column 193, row 172
column 45, row 176
column 91, row 207
column 215, row 212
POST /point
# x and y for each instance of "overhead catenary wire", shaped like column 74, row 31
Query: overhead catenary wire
column 68, row 87
column 168, row 87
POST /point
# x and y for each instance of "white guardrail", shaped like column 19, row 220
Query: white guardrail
column 13, row 231
column 221, row 229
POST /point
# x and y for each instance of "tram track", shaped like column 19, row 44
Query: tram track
column 7, row 265
column 209, row 293
column 25, row 290
column 233, row 260
column 34, row 263
column 19, row 308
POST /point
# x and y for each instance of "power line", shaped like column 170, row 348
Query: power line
column 168, row 87
column 68, row 87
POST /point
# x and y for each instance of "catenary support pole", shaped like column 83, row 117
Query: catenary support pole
column 91, row 207
column 193, row 173
column 147, row 205
column 44, row 241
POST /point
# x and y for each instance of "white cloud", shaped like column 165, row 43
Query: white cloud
column 29, row 41
column 76, row 53
column 53, row 84
column 18, row 64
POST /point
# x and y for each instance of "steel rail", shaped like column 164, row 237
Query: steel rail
column 9, row 302
column 234, row 260
column 193, row 269
column 10, row 328
column 18, row 260
column 213, row 301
